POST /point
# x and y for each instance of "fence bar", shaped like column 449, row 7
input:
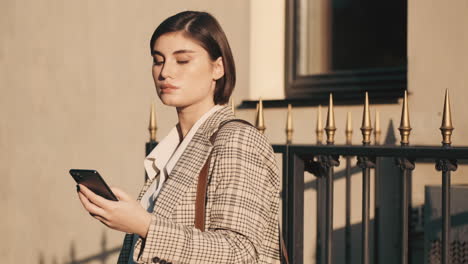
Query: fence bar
column 329, row 214
column 295, row 215
column 320, row 191
column 365, row 214
column 320, row 224
column 148, row 148
column 329, row 163
column 365, row 163
column 286, row 199
column 348, row 212
column 404, row 217
column 406, row 165
column 376, row 212
column 446, row 166
column 377, row 133
column 349, row 136
column 446, row 217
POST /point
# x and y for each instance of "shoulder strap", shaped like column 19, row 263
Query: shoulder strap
column 203, row 182
column 283, row 251
column 213, row 137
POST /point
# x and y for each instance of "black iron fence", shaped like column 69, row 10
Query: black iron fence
column 320, row 160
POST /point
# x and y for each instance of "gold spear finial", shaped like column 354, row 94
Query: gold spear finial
column 405, row 127
column 330, row 128
column 152, row 124
column 233, row 108
column 319, row 129
column 349, row 129
column 289, row 125
column 366, row 128
column 260, row 124
column 446, row 128
column 377, row 131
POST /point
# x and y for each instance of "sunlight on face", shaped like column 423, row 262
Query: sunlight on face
column 183, row 72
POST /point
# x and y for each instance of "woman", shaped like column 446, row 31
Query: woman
column 194, row 71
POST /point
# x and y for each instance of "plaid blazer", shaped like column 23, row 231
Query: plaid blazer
column 242, row 201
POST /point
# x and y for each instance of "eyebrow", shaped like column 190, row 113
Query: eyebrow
column 155, row 52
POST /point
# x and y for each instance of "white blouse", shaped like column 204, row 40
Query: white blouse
column 164, row 157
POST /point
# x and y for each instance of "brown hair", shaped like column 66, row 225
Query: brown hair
column 205, row 29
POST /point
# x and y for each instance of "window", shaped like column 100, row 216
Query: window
column 345, row 47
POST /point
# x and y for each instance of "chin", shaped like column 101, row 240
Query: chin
column 179, row 101
column 172, row 102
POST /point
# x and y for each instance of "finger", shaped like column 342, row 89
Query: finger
column 90, row 207
column 94, row 198
column 121, row 195
column 84, row 201
column 102, row 220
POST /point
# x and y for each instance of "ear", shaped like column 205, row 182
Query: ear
column 218, row 68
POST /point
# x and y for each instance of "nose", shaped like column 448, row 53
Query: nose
column 167, row 71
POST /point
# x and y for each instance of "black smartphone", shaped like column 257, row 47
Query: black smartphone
column 94, row 182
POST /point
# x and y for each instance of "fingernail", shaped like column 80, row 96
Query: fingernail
column 77, row 188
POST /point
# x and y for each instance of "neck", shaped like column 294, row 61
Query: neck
column 189, row 115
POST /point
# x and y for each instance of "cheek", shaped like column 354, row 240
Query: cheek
column 200, row 76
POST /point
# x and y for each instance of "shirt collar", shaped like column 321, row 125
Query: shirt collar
column 159, row 156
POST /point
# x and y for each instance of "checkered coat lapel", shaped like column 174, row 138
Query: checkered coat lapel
column 188, row 167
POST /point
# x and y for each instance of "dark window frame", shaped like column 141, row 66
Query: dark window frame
column 385, row 85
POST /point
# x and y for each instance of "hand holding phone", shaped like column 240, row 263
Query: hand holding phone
column 94, row 182
column 126, row 216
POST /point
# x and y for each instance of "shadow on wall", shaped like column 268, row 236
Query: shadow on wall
column 102, row 256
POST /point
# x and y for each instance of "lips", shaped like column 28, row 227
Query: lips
column 168, row 87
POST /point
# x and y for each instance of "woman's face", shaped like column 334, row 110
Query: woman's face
column 183, row 72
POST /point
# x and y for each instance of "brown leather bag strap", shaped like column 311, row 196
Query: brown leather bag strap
column 201, row 196
column 283, row 250
column 203, row 182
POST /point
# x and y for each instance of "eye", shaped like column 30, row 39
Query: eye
column 157, row 63
column 183, row 61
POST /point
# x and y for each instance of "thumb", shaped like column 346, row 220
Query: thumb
column 121, row 195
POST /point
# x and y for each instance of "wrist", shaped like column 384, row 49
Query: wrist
column 145, row 223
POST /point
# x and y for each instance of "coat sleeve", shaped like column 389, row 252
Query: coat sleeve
column 242, row 210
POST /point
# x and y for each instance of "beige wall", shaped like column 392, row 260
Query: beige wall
column 76, row 88
column 266, row 52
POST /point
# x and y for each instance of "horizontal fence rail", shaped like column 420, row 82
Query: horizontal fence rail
column 420, row 152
